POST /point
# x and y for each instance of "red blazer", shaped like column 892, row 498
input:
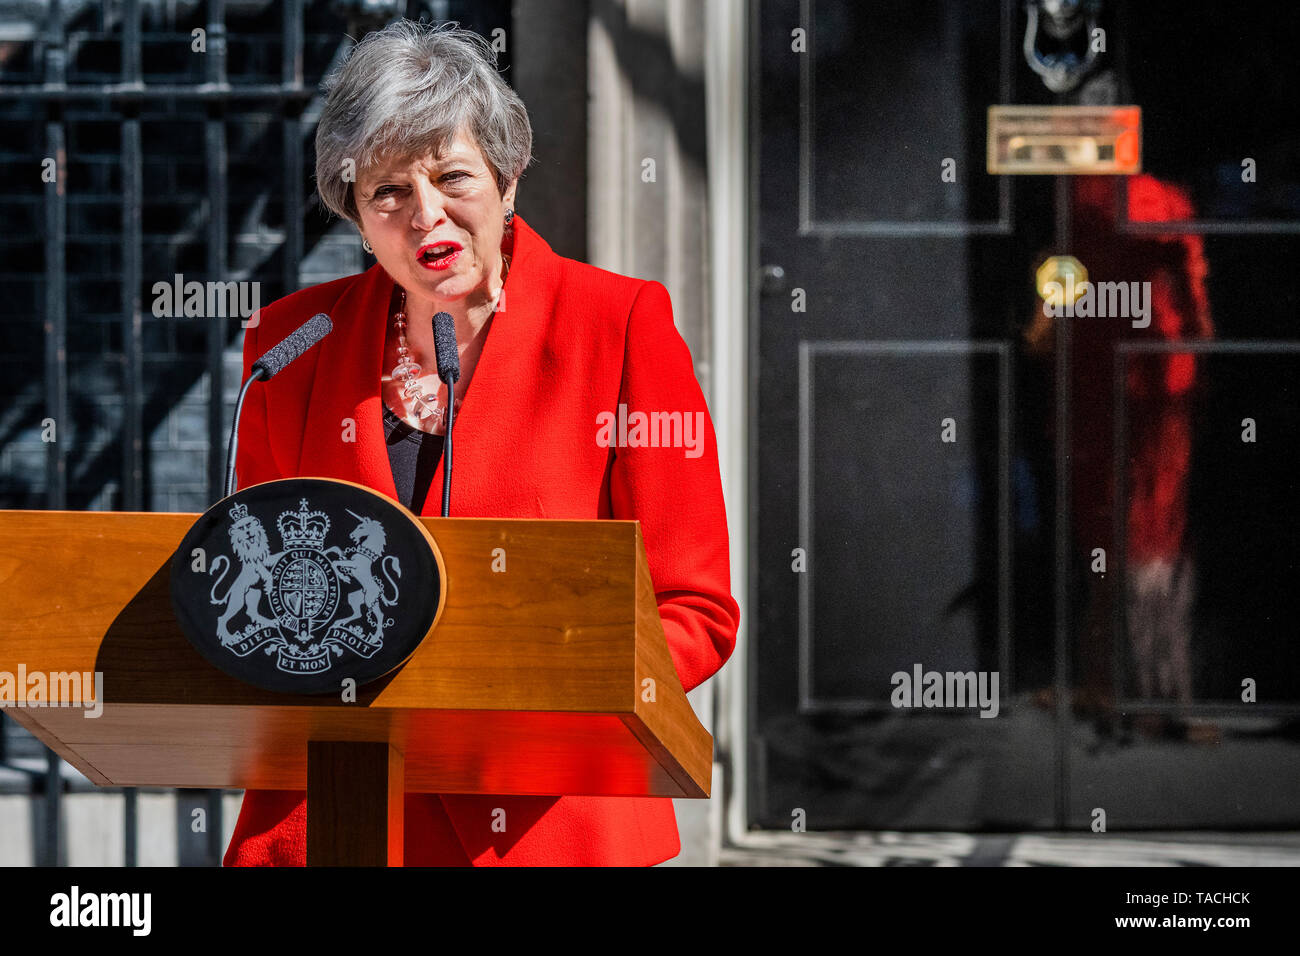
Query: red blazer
column 570, row 341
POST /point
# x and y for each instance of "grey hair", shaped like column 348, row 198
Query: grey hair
column 406, row 91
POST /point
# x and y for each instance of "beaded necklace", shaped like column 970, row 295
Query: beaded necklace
column 407, row 370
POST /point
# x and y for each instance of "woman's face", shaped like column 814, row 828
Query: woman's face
column 436, row 222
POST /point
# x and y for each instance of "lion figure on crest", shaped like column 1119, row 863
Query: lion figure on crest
column 249, row 542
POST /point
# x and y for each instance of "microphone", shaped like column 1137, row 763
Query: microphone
column 272, row 362
column 448, row 358
column 444, row 346
column 293, row 345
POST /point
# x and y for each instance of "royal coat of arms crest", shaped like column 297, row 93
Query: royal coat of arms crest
column 310, row 608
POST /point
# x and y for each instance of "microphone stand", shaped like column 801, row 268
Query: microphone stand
column 446, row 454
column 233, row 446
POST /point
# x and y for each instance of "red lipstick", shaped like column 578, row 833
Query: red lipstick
column 438, row 255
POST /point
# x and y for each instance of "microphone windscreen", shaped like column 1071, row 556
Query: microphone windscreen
column 293, row 345
column 444, row 347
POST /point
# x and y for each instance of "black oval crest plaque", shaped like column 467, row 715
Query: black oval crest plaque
column 295, row 585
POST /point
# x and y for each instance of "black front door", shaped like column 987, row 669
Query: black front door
column 1018, row 571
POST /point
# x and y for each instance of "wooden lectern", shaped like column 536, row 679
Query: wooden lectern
column 554, row 678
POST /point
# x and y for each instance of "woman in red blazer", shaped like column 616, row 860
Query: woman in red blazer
column 550, row 349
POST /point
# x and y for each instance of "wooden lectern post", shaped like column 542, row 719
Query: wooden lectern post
column 532, row 682
column 354, row 804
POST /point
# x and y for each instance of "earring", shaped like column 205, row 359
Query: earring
column 510, row 215
column 365, row 244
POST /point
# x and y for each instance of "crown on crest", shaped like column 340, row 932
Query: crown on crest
column 303, row 529
column 238, row 513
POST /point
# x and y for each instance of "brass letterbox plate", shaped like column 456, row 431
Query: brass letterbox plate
column 1065, row 140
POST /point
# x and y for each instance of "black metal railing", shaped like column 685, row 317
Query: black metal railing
column 128, row 98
